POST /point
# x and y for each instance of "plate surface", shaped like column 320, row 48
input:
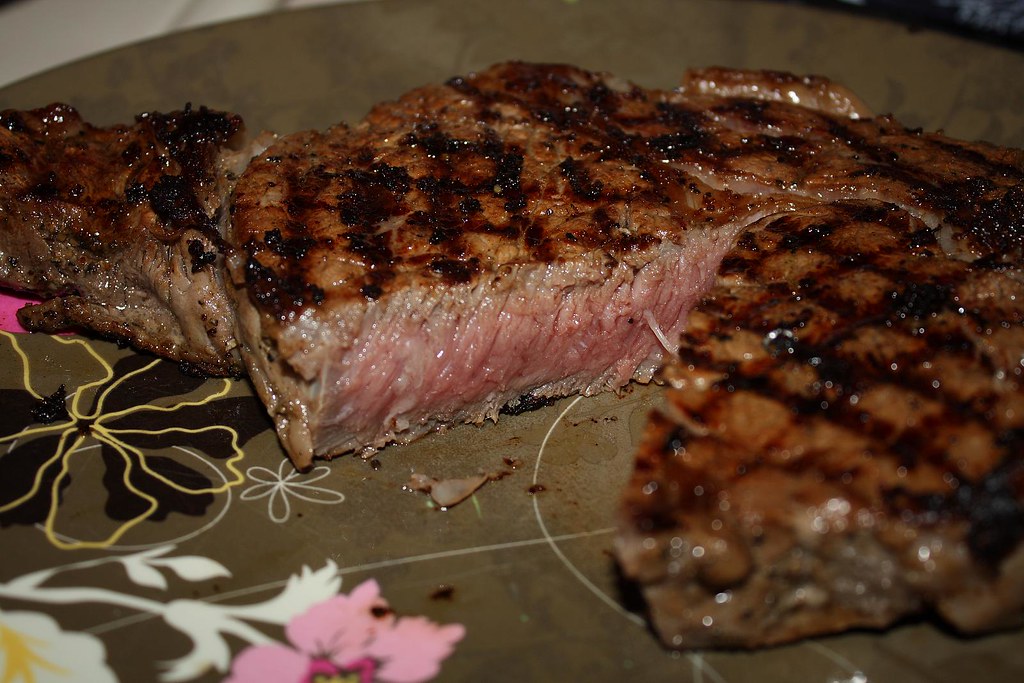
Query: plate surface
column 177, row 506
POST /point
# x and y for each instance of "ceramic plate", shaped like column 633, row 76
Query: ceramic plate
column 158, row 531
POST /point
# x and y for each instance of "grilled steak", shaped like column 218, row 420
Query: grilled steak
column 539, row 230
column 117, row 228
column 518, row 232
column 843, row 443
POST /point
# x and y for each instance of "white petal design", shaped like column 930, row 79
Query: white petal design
column 33, row 647
column 206, row 625
column 143, row 574
column 194, row 567
column 279, row 486
column 302, row 591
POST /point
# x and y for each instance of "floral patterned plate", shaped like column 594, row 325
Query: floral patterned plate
column 151, row 529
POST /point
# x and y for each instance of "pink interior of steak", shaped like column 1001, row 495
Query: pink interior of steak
column 461, row 354
column 438, row 356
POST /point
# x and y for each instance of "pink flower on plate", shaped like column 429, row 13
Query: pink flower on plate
column 352, row 638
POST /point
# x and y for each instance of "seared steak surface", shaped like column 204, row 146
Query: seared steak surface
column 116, row 228
column 521, row 231
column 543, row 230
column 843, row 443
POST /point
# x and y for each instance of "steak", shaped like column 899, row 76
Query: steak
column 843, row 439
column 117, row 228
column 520, row 232
column 538, row 230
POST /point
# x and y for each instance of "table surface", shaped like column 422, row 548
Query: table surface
column 40, row 34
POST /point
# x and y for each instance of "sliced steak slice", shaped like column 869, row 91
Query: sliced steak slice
column 843, row 443
column 517, row 232
column 543, row 230
column 117, row 228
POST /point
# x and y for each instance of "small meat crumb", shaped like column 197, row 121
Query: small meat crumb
column 444, row 591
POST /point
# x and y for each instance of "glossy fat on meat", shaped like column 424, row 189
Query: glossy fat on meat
column 811, row 92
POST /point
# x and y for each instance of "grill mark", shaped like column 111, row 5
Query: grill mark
column 920, row 308
column 579, row 180
column 601, row 130
column 279, row 293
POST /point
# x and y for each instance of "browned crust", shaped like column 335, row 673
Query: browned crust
column 845, row 387
column 537, row 163
column 117, row 228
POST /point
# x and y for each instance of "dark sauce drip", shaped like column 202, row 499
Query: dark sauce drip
column 444, row 591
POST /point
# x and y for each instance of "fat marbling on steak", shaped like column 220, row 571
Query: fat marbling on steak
column 117, row 228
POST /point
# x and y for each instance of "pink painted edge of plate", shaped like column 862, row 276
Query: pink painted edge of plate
column 10, row 302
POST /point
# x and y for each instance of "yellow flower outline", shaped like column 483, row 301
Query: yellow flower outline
column 110, row 436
